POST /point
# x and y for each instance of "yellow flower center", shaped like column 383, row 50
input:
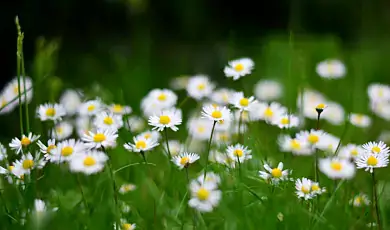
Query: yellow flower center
column 376, row 149
column 285, row 121
column 203, row 194
column 358, row 200
column 99, row 137
column 164, row 119
column 239, row 67
column 50, row 147
column 313, row 138
column 216, row 114
column 91, row 108
column 354, row 152
column 3, row 102
column 10, row 168
column 117, row 108
column 201, row 86
column 16, row 89
column 372, row 161
column 140, row 145
column 51, row 112
column 28, row 164
column 59, row 130
column 184, row 160
column 108, row 121
column 295, row 144
column 380, row 92
column 162, row 97
column 66, row 151
column 224, row 137
column 305, row 189
column 320, row 106
column 147, row 135
column 330, row 68
column 89, row 161
column 238, row 153
column 201, row 129
column 315, row 187
column 25, row 141
column 336, row 166
column 276, row 173
column 127, row 226
column 244, row 102
column 268, row 112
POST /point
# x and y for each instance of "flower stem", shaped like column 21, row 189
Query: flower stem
column 18, row 61
column 25, row 91
column 167, row 143
column 208, row 150
column 375, row 202
column 114, row 187
column 82, row 192
column 239, row 128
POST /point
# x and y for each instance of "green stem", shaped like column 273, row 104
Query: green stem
column 114, row 187
column 25, row 91
column 239, row 127
column 167, row 143
column 19, row 94
column 208, row 150
column 82, row 192
column 375, row 202
column 183, row 102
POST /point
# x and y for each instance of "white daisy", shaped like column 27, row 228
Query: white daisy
column 303, row 188
column 119, row 109
column 12, row 89
column 3, row 152
column 125, row 188
column 308, row 101
column 360, row 120
column 100, row 138
column 89, row 162
column 328, row 143
column 274, row 175
column 24, row 142
column 243, row 115
column 154, row 135
column 166, row 119
column 210, row 178
column 286, row 121
column 53, row 112
column 66, row 150
column 331, row 69
column 313, row 137
column 268, row 90
column 266, row 112
column 222, row 138
column 136, row 123
column 221, row 96
column 334, row 113
column 127, row 226
column 239, row 153
column 175, row 147
column 223, row 159
column 337, row 168
column 199, row 128
column 140, row 144
column 316, row 189
column 105, row 120
column 62, row 130
column 381, row 109
column 6, row 105
column 70, row 100
column 90, row 108
column 378, row 92
column 216, row 113
column 199, row 87
column 165, row 98
column 83, row 125
column 294, row 145
column 46, row 150
column 184, row 160
column 376, row 147
column 360, row 200
column 369, row 161
column 24, row 165
column 240, row 102
column 204, row 197
column 239, row 68
column 179, row 83
column 350, row 151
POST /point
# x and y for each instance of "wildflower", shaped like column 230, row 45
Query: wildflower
column 360, row 120
column 167, row 119
column 89, row 162
column 179, row 83
column 141, row 144
column 303, row 187
column 239, row 153
column 266, row 112
column 286, row 121
column 62, row 130
column 316, row 189
column 3, row 152
column 239, row 68
column 199, row 129
column 52, row 112
column 46, row 150
column 205, row 196
column 90, row 108
column 242, row 103
column 184, row 160
column 308, row 100
column 224, row 159
column 66, row 150
column 222, row 138
column 274, row 175
column 104, row 120
column 216, row 113
column 164, row 98
column 135, row 124
column 127, row 226
column 100, row 138
column 313, row 137
column 334, row 113
column 381, row 109
column 331, row 69
column 26, row 164
column 350, row 151
column 337, row 168
column 360, row 200
column 378, row 92
column 150, row 134
column 24, row 142
column 119, row 109
column 221, row 96
column 328, row 143
column 376, row 148
column 199, row 87
column 12, row 90
column 268, row 90
column 369, row 161
column 294, row 145
column 70, row 100
column 125, row 188
column 210, row 178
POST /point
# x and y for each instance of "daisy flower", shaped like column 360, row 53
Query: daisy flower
column 286, row 121
column 360, row 120
column 328, row 143
column 239, row 68
column 100, row 138
column 268, row 90
column 266, row 112
column 89, row 162
column 334, row 113
column 62, row 130
column 240, row 102
column 369, row 161
column 303, row 188
column 204, row 197
column 360, row 200
column 90, row 108
column 70, row 100
column 313, row 137
column 105, row 120
column 46, row 149
column 199, row 87
column 222, row 138
column 337, row 168
column 331, row 69
column 167, row 119
column 216, row 113
column 221, row 96
column 381, row 109
column 175, row 147
column 6, row 105
column 179, row 83
column 199, row 129
column 274, row 175
column 184, row 160
column 52, row 112
column 3, row 152
column 210, row 178
column 26, row 164
column 119, row 109
column 150, row 134
column 18, row 144
column 127, row 226
column 294, row 145
column 316, row 189
column 239, row 153
column 66, row 150
column 350, row 151
column 12, row 89
column 224, row 159
column 136, row 123
column 165, row 98
column 378, row 92
column 125, row 188
column 376, row 148
column 308, row 101
column 140, row 144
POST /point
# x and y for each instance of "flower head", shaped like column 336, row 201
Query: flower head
column 66, row 150
column 119, row 109
column 376, row 148
column 46, row 149
column 369, row 161
column 199, row 87
column 18, row 144
column 221, row 96
column 239, row 68
column 360, row 200
column 204, row 196
column 125, row 188
column 331, row 69
column 89, row 162
column 106, row 138
column 199, row 128
column 286, row 121
column 62, row 130
column 294, row 145
column 210, row 178
column 52, row 112
column 167, row 119
column 268, row 90
column 266, row 112
column 360, row 120
column 241, row 102
column 141, row 144
column 90, row 108
column 70, row 100
column 105, row 120
column 216, row 113
column 185, row 159
column 378, row 92
column 350, row 151
column 274, row 175
column 337, row 168
column 239, row 153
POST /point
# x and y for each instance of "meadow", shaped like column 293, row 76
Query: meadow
column 290, row 134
